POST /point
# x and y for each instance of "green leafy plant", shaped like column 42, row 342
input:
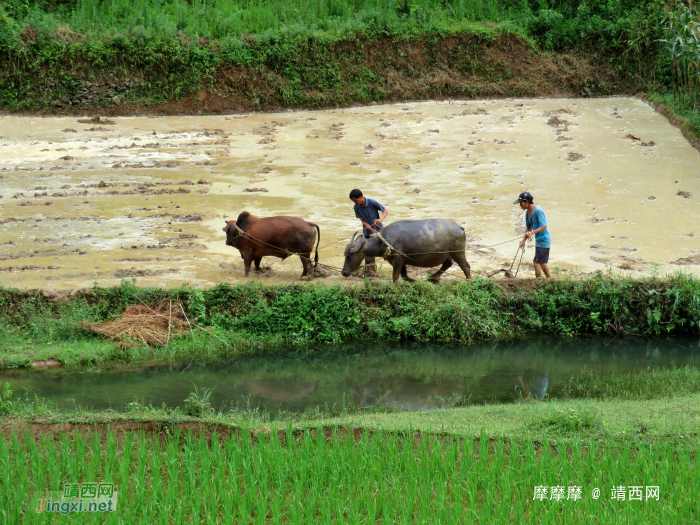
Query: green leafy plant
column 198, row 402
column 5, row 399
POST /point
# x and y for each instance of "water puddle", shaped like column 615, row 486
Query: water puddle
column 145, row 198
column 400, row 376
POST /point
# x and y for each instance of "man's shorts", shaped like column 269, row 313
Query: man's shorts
column 541, row 256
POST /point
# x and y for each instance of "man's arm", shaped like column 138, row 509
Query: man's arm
column 379, row 221
column 530, row 232
column 367, row 226
column 525, row 237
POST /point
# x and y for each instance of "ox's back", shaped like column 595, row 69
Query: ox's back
column 275, row 235
column 279, row 226
column 427, row 235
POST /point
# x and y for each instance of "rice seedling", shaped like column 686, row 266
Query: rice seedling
column 330, row 477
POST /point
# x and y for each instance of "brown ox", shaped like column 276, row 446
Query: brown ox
column 280, row 236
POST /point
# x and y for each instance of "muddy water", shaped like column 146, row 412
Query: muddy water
column 147, row 197
column 402, row 376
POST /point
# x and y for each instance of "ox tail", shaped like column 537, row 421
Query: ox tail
column 318, row 241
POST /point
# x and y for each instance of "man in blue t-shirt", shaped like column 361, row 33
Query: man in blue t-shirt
column 368, row 210
column 536, row 224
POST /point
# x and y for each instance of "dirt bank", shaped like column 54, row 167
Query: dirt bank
column 163, row 431
column 679, row 122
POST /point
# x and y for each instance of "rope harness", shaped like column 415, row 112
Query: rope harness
column 389, row 247
column 285, row 251
column 389, row 251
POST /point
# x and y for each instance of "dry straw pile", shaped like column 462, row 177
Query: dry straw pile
column 152, row 326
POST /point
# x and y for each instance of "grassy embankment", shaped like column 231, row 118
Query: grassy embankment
column 254, row 319
column 187, row 57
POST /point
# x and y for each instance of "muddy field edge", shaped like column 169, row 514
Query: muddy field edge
column 615, row 421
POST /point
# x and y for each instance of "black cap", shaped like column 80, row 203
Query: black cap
column 524, row 196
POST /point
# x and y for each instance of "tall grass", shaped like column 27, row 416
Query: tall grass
column 311, row 478
column 225, row 18
column 607, row 24
column 647, row 384
column 683, row 46
column 235, row 17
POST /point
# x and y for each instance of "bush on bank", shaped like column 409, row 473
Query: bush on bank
column 301, row 314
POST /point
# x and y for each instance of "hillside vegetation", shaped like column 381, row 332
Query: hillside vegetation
column 214, row 56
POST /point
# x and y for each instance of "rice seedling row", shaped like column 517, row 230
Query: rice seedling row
column 384, row 478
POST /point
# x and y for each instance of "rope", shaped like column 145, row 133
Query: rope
column 521, row 260
column 390, row 248
column 490, row 246
column 377, row 234
column 285, row 251
column 504, row 242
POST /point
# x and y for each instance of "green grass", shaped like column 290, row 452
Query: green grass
column 234, row 18
column 669, row 419
column 561, row 24
column 307, row 478
column 254, row 319
column 647, row 384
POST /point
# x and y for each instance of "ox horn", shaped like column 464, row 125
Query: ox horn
column 354, row 235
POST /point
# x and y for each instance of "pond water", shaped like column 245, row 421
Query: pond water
column 86, row 202
column 398, row 376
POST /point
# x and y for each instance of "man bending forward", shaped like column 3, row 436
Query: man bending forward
column 368, row 210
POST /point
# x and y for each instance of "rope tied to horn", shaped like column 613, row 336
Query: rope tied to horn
column 389, row 247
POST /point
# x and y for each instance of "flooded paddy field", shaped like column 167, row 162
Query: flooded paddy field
column 85, row 201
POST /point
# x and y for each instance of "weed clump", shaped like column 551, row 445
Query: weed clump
column 198, row 403
column 570, row 421
column 5, row 399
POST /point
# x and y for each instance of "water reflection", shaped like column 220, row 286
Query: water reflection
column 537, row 388
column 398, row 375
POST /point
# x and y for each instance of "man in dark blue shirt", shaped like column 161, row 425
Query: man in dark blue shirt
column 368, row 210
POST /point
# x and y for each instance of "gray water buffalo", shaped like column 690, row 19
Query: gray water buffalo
column 279, row 236
column 425, row 243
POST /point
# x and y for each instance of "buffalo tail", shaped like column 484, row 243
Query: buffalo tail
column 318, row 241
